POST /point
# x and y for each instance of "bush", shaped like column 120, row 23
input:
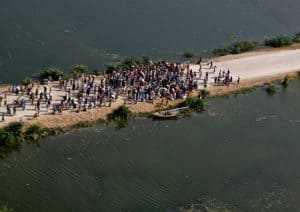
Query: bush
column 221, row 50
column 34, row 133
column 122, row 112
column 296, row 37
column 11, row 135
column 279, row 41
column 27, row 81
column 15, row 128
column 285, row 81
column 235, row 48
column 78, row 69
column 204, row 93
column 242, row 46
column 271, row 89
column 128, row 63
column 188, row 55
column 54, row 73
column 195, row 104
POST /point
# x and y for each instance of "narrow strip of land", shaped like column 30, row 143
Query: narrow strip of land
column 253, row 69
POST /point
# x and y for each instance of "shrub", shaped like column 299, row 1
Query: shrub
column 12, row 134
column 221, row 50
column 242, row 46
column 33, row 133
column 78, row 69
column 195, row 104
column 128, row 63
column 110, row 69
column 188, row 55
column 285, row 81
column 271, row 89
column 15, row 128
column 296, row 37
column 122, row 112
column 279, row 41
column 27, row 81
column 54, row 73
column 204, row 93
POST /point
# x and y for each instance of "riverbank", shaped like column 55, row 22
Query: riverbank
column 253, row 68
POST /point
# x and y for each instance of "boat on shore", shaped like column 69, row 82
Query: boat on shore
column 168, row 114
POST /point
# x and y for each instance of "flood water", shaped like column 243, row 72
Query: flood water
column 242, row 154
column 42, row 33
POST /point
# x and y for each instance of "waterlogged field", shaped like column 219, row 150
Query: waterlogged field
column 242, row 154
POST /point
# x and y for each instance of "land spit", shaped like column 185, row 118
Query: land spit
column 254, row 69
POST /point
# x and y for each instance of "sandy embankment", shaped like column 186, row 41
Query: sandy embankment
column 254, row 69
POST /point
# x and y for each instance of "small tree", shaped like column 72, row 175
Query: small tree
column 53, row 72
column 78, row 69
column 27, row 81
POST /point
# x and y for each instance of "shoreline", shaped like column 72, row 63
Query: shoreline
column 68, row 120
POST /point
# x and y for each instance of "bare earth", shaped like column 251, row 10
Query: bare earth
column 254, row 69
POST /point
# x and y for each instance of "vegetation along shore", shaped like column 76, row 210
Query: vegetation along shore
column 56, row 103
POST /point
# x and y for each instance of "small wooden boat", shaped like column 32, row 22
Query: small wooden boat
column 168, row 114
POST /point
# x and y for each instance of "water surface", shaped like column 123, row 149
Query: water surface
column 241, row 154
column 42, row 33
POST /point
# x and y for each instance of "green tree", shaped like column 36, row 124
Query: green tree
column 78, row 69
column 53, row 72
column 27, row 81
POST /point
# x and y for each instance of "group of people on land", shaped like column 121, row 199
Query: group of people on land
column 133, row 84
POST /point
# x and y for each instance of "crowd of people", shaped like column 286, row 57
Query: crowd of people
column 136, row 83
